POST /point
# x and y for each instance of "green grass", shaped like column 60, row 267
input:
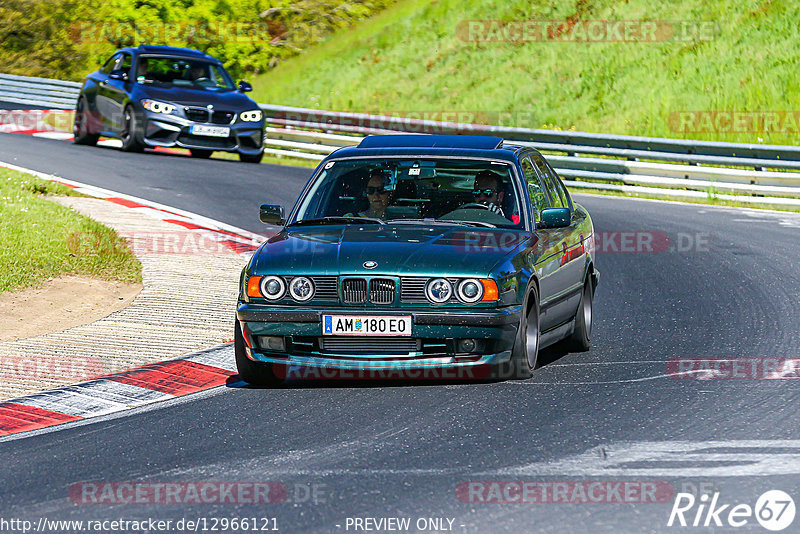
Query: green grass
column 410, row 58
column 41, row 239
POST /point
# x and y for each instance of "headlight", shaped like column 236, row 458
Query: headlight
column 158, row 107
column 273, row 287
column 251, row 116
column 439, row 290
column 301, row 288
column 470, row 290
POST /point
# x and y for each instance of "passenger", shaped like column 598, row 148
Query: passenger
column 377, row 195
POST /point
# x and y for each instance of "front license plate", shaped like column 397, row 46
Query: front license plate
column 211, row 131
column 366, row 325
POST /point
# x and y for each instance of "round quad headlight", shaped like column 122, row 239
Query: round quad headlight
column 301, row 288
column 470, row 290
column 439, row 290
column 273, row 287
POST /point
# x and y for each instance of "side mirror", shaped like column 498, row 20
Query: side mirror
column 245, row 87
column 272, row 214
column 555, row 218
column 118, row 74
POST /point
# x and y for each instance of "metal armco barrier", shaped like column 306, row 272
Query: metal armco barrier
column 44, row 92
column 653, row 166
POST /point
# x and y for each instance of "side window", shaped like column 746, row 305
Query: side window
column 562, row 189
column 556, row 199
column 126, row 63
column 538, row 198
column 109, row 66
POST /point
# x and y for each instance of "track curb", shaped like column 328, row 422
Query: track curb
column 145, row 384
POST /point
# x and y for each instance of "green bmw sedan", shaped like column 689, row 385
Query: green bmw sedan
column 414, row 257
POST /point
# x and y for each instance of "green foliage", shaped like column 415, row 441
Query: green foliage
column 67, row 39
column 413, row 57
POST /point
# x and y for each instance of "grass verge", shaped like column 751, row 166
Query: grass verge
column 41, row 239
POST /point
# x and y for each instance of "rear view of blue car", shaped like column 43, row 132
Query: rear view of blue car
column 161, row 96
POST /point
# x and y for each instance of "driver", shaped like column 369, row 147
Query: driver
column 198, row 72
column 486, row 191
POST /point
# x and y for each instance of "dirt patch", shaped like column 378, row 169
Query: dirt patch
column 61, row 303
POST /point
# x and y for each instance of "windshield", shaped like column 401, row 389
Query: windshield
column 455, row 191
column 182, row 72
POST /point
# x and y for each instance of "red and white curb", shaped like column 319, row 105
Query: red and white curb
column 142, row 385
column 236, row 239
column 118, row 392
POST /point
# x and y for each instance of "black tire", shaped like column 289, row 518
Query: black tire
column 525, row 354
column 251, row 158
column 581, row 338
column 128, row 133
column 80, row 127
column 201, row 153
column 254, row 373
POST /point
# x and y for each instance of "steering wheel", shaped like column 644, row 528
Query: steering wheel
column 475, row 205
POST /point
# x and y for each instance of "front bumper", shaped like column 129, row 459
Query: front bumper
column 436, row 333
column 162, row 130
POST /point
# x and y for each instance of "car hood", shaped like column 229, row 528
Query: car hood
column 233, row 100
column 397, row 249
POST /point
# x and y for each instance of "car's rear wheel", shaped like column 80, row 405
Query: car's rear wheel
column 581, row 338
column 525, row 354
column 251, row 158
column 201, row 153
column 128, row 133
column 80, row 127
column 254, row 373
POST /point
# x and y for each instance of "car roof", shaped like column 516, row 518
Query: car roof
column 466, row 146
column 170, row 51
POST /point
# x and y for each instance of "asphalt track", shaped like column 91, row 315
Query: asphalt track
column 400, row 450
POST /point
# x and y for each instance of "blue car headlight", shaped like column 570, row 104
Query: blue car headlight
column 156, row 106
column 251, row 116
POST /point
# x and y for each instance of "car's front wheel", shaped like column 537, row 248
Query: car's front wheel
column 254, row 373
column 251, row 158
column 128, row 133
column 80, row 128
column 525, row 354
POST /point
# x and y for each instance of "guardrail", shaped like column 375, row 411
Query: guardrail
column 747, row 173
column 44, row 92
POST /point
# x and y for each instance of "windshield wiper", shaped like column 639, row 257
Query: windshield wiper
column 442, row 221
column 337, row 220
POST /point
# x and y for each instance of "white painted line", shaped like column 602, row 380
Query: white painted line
column 70, row 402
column 221, row 357
column 61, row 136
column 100, row 192
column 118, row 392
